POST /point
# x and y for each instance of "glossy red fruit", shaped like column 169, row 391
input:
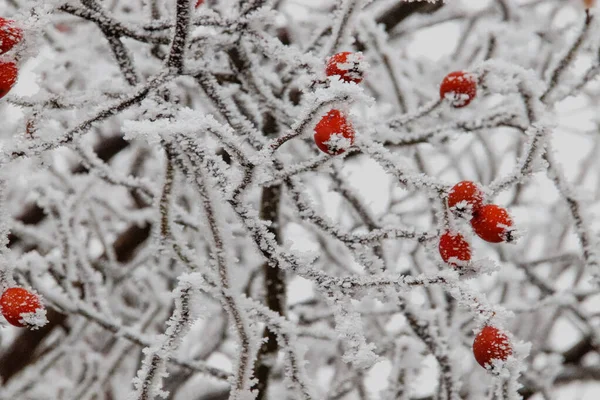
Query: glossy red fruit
column 454, row 246
column 8, row 77
column 349, row 66
column 333, row 133
column 491, row 344
column 493, row 224
column 465, row 191
column 459, row 87
column 10, row 34
column 199, row 3
column 15, row 302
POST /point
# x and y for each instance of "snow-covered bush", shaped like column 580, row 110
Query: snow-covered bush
column 299, row 199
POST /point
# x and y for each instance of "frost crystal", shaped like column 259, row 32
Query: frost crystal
column 34, row 320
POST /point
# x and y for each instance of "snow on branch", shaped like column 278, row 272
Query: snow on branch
column 148, row 383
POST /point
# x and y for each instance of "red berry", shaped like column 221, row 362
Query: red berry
column 10, row 34
column 8, row 77
column 349, row 66
column 454, row 246
column 459, row 87
column 492, row 223
column 465, row 191
column 15, row 302
column 333, row 133
column 491, row 344
column 199, row 3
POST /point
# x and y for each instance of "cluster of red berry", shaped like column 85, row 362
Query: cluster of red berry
column 493, row 224
column 490, row 222
column 10, row 35
column 20, row 307
column 334, row 133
